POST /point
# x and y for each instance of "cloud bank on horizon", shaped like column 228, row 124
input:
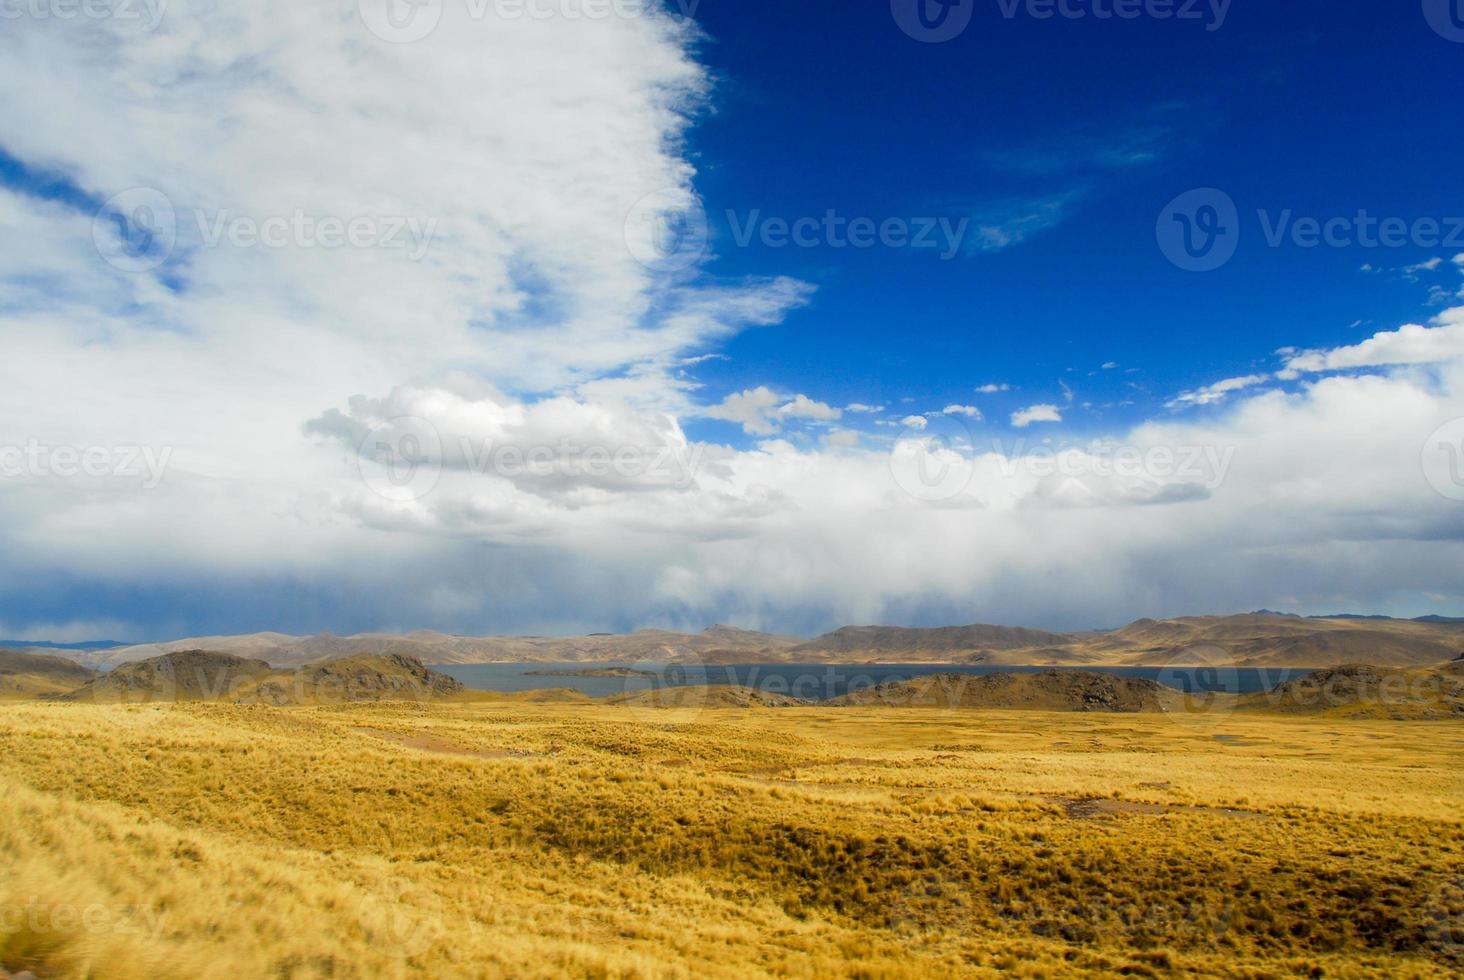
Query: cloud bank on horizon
column 398, row 366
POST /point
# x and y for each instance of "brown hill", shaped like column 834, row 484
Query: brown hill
column 28, row 675
column 914, row 645
column 1364, row 691
column 198, row 675
column 1053, row 690
column 1284, row 641
column 364, row 677
column 192, row 675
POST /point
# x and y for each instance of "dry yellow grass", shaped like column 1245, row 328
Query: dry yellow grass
column 514, row 839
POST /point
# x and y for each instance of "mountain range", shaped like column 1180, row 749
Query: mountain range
column 1262, row 639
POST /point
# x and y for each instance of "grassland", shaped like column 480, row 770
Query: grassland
column 518, row 839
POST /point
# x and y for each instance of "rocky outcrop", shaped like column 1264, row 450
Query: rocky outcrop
column 1053, row 690
column 193, row 675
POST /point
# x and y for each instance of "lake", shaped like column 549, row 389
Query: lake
column 819, row 682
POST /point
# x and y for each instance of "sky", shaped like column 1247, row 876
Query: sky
column 561, row 316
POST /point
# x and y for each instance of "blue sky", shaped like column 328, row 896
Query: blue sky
column 1322, row 108
column 319, row 319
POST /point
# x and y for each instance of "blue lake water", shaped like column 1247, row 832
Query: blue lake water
column 821, row 681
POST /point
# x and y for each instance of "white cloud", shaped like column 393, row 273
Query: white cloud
column 915, row 422
column 754, row 409
column 1036, row 413
column 1315, row 494
column 803, row 407
column 1219, row 391
column 1001, row 226
column 761, row 411
column 1428, row 266
column 1410, row 344
column 1111, row 366
column 970, row 411
column 549, row 448
column 993, row 389
column 858, row 408
column 529, row 327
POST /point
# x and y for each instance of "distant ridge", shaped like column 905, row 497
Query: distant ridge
column 47, row 645
column 283, row 650
column 1260, row 639
column 876, row 639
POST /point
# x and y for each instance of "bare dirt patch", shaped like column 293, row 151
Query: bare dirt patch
column 1097, row 808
